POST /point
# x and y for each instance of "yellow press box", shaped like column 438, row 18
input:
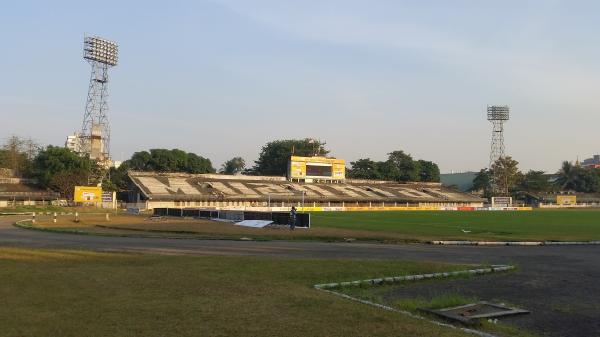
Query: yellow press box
column 316, row 168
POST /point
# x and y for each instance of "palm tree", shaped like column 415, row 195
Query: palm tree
column 567, row 176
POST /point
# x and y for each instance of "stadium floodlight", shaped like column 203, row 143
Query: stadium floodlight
column 101, row 54
column 498, row 115
column 497, row 112
column 97, row 49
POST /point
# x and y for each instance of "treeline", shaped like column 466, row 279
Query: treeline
column 162, row 160
column 60, row 169
column 274, row 156
column 53, row 167
column 398, row 167
column 505, row 178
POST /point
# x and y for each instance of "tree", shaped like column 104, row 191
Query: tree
column 118, row 178
column 17, row 154
column 589, row 181
column 398, row 167
column 61, row 169
column 535, row 181
column 428, row 171
column 568, row 176
column 505, row 175
column 364, row 169
column 139, row 161
column 197, row 164
column 483, row 182
column 275, row 155
column 65, row 181
column 579, row 179
column 163, row 160
column 234, row 165
column 401, row 167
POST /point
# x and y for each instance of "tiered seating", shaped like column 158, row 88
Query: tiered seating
column 220, row 187
column 319, row 190
column 182, row 186
column 164, row 186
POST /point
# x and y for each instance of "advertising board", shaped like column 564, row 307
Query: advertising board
column 87, row 194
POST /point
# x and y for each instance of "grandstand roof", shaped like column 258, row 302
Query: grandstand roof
column 21, row 191
column 197, row 187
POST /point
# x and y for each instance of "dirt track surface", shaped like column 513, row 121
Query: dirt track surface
column 554, row 282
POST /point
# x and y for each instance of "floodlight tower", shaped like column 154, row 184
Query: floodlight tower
column 101, row 54
column 498, row 115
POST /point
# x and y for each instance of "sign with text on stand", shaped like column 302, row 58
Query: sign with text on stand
column 566, row 200
column 501, row 201
column 109, row 200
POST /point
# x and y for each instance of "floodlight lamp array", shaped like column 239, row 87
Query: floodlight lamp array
column 100, row 50
column 497, row 112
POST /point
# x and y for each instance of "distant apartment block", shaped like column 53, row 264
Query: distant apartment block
column 593, row 162
column 73, row 142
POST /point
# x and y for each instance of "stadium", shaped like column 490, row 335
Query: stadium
column 301, row 243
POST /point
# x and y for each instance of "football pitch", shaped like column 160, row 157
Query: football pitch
column 562, row 225
column 375, row 226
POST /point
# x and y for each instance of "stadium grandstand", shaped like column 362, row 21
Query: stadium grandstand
column 179, row 190
column 16, row 191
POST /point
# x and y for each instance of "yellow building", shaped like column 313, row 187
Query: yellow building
column 309, row 169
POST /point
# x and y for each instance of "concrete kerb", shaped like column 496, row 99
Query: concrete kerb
column 26, row 224
column 511, row 243
column 417, row 277
column 16, row 213
column 407, row 313
column 327, row 287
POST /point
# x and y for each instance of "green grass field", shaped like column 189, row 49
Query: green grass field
column 561, row 225
column 79, row 293
column 388, row 226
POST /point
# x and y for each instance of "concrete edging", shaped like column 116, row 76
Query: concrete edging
column 50, row 230
column 511, row 243
column 407, row 313
column 326, row 287
column 417, row 277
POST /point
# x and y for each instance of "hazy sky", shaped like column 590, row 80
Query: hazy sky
column 221, row 78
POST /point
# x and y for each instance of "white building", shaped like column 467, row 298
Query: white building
column 73, row 142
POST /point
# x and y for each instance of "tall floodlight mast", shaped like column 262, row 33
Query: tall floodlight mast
column 498, row 115
column 101, row 54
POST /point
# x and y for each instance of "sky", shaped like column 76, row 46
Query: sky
column 222, row 78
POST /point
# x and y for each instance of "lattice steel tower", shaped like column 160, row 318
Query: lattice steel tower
column 498, row 115
column 101, row 54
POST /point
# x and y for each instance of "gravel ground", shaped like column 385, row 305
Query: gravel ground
column 562, row 293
